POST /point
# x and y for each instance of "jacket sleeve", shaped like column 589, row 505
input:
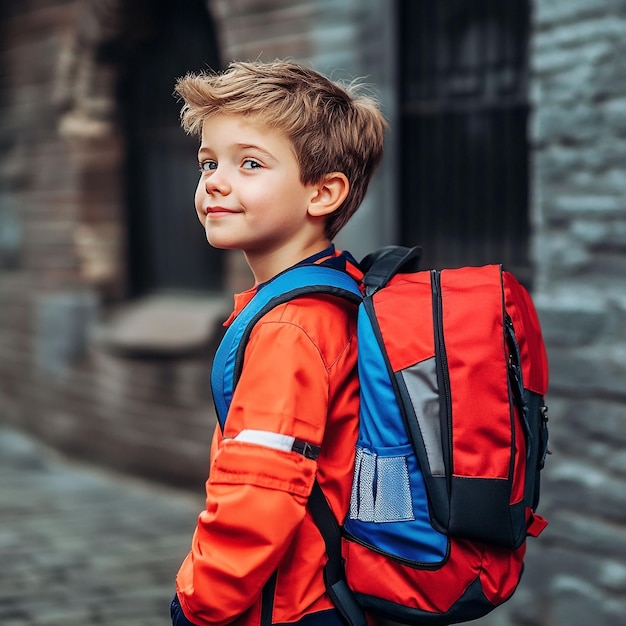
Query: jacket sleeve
column 257, row 489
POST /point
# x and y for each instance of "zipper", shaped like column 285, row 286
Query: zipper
column 443, row 375
column 515, row 377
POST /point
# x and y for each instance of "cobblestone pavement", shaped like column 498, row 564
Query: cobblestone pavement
column 80, row 547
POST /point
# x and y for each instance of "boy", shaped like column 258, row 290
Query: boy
column 285, row 160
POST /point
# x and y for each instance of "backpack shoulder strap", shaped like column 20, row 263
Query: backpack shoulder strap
column 227, row 363
column 298, row 281
column 334, row 571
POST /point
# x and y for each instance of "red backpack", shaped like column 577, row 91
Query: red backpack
column 452, row 437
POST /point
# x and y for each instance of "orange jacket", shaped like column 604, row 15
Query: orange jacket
column 298, row 379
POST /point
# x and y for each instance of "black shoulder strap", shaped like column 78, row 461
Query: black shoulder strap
column 380, row 266
column 334, row 572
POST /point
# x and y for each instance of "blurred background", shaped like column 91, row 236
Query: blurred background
column 507, row 143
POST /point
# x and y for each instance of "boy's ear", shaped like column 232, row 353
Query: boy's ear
column 331, row 192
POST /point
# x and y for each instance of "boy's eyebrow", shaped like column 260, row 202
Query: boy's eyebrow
column 251, row 146
column 241, row 146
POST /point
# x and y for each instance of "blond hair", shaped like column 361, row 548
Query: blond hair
column 333, row 127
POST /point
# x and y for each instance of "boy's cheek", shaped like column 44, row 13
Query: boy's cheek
column 199, row 204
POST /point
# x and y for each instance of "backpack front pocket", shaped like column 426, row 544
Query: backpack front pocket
column 389, row 507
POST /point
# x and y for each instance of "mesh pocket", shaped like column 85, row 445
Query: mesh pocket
column 380, row 490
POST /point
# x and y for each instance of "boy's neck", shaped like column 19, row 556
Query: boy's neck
column 265, row 266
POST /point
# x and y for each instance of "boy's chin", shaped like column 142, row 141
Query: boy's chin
column 222, row 243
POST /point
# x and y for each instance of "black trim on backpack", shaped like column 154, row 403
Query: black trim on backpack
column 473, row 604
column 538, row 423
column 445, row 397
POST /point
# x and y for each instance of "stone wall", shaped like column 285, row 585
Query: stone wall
column 578, row 133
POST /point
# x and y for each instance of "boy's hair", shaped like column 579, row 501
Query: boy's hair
column 333, row 127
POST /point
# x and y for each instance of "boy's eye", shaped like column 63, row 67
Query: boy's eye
column 251, row 164
column 207, row 166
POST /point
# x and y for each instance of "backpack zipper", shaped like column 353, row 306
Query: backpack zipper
column 515, row 377
column 443, row 376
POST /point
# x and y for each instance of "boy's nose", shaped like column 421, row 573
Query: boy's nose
column 217, row 183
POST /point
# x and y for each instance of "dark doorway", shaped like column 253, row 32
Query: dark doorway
column 464, row 111
column 167, row 246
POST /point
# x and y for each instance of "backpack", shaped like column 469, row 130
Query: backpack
column 452, row 435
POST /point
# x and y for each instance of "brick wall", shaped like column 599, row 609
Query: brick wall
column 63, row 269
column 39, row 198
column 71, row 369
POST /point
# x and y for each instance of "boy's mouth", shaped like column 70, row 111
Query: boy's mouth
column 218, row 210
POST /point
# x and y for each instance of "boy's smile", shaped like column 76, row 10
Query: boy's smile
column 250, row 196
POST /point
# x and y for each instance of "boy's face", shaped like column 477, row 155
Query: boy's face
column 249, row 196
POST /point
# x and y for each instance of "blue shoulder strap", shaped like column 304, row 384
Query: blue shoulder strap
column 298, row 281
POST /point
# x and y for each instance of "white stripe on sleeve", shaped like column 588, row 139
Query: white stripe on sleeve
column 267, row 439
